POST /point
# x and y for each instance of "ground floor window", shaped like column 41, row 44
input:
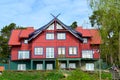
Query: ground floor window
column 39, row 67
column 49, row 66
column 90, row 66
column 72, row 65
column 62, row 65
column 21, row 66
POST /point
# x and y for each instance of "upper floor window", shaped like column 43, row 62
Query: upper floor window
column 49, row 36
column 50, row 52
column 72, row 50
column 26, row 41
column 23, row 54
column 61, row 35
column 51, row 27
column 38, row 51
column 59, row 26
column 87, row 54
column 85, row 40
column 61, row 50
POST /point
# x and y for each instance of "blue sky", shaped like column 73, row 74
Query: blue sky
column 37, row 12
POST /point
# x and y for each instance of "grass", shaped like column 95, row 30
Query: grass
column 53, row 75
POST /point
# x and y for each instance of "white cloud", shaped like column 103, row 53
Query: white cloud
column 37, row 12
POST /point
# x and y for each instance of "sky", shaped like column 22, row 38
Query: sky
column 36, row 13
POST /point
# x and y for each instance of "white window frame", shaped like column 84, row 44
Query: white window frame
column 22, row 67
column 23, row 54
column 61, row 36
column 26, row 41
column 90, row 66
column 51, row 27
column 73, row 50
column 72, row 65
column 87, row 53
column 85, row 40
column 49, row 36
column 49, row 66
column 62, row 65
column 50, row 52
column 39, row 66
column 61, row 50
column 38, row 51
column 58, row 26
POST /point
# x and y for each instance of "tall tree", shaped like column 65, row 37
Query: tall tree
column 4, row 37
column 106, row 17
column 74, row 25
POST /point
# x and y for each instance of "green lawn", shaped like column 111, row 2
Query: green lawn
column 53, row 75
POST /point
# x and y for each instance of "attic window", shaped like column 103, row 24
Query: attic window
column 26, row 41
column 59, row 26
column 85, row 40
column 51, row 27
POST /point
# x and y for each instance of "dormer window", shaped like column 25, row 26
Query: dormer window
column 26, row 41
column 85, row 40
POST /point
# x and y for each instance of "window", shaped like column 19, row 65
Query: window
column 72, row 65
column 90, row 66
column 49, row 52
column 21, row 66
column 49, row 66
column 51, row 27
column 72, row 50
column 61, row 50
column 26, row 41
column 49, row 35
column 85, row 40
column 39, row 67
column 59, row 26
column 87, row 54
column 23, row 54
column 38, row 51
column 61, row 35
column 62, row 65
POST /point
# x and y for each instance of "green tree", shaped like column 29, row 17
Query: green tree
column 4, row 38
column 74, row 25
column 106, row 17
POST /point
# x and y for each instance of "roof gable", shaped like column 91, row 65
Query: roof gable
column 56, row 20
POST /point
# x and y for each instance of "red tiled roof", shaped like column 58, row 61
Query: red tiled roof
column 93, row 33
column 25, row 33
column 14, row 40
column 17, row 34
column 96, row 39
column 85, row 32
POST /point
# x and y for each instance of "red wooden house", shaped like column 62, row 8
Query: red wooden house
column 39, row 49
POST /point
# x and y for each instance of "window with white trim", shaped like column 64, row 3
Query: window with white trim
column 39, row 66
column 90, row 66
column 59, row 26
column 49, row 36
column 38, row 51
column 72, row 50
column 85, row 40
column 50, row 52
column 51, row 27
column 49, row 67
column 23, row 54
column 26, row 41
column 72, row 65
column 61, row 50
column 62, row 65
column 61, row 36
column 87, row 54
column 21, row 66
